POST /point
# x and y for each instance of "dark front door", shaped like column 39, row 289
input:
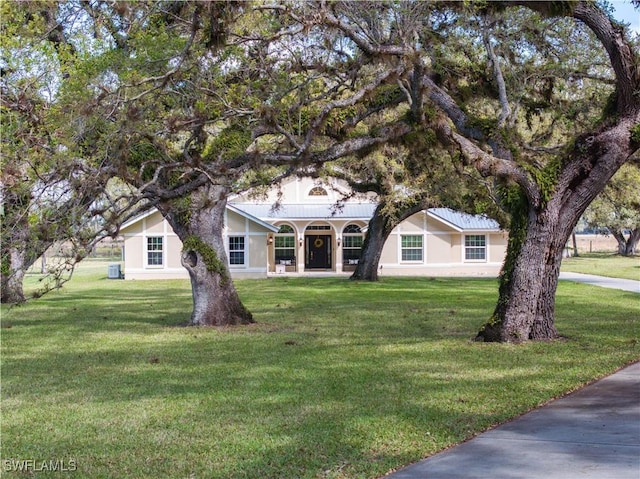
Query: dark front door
column 318, row 252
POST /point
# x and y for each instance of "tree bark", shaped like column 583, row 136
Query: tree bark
column 13, row 270
column 632, row 242
column 199, row 223
column 626, row 246
column 377, row 234
column 528, row 282
column 14, row 245
column 380, row 227
column 538, row 233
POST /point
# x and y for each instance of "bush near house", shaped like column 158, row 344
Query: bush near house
column 338, row 379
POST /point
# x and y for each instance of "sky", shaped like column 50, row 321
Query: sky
column 624, row 11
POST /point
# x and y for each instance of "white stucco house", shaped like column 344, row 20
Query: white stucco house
column 306, row 233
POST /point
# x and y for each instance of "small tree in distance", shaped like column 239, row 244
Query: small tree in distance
column 617, row 208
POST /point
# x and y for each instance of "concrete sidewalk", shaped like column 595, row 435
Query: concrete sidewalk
column 615, row 283
column 593, row 433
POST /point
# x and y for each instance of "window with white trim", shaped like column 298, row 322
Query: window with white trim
column 351, row 244
column 475, row 247
column 285, row 246
column 236, row 250
column 155, row 251
column 412, row 247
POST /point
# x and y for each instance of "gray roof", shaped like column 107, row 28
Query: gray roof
column 298, row 211
column 464, row 221
column 364, row 211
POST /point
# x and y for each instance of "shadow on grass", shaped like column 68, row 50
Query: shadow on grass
column 338, row 379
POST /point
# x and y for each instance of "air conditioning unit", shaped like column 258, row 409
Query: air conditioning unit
column 114, row 271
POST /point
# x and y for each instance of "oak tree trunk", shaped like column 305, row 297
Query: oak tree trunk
column 14, row 242
column 380, row 227
column 528, row 282
column 12, row 276
column 626, row 246
column 377, row 234
column 199, row 222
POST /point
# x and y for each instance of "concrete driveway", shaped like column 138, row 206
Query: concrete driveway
column 615, row 283
column 593, row 433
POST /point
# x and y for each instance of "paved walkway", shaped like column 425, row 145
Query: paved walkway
column 593, row 433
column 615, row 283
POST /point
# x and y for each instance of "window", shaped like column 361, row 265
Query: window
column 475, row 247
column 154, row 251
column 236, row 249
column 318, row 191
column 285, row 246
column 351, row 244
column 412, row 248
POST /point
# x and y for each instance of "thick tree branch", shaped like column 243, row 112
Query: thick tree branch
column 490, row 165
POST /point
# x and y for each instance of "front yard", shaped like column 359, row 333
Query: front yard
column 337, row 380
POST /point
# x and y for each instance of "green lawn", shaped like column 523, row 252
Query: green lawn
column 337, row 380
column 604, row 264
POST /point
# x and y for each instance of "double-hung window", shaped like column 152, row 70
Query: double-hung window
column 155, row 251
column 285, row 246
column 475, row 247
column 351, row 244
column 236, row 250
column 412, row 248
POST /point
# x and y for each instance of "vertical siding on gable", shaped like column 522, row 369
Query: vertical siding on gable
column 154, row 224
column 236, row 224
column 412, row 224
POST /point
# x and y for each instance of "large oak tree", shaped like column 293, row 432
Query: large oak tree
column 523, row 93
column 190, row 101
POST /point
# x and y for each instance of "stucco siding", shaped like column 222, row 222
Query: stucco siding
column 439, row 248
column 390, row 250
column 174, row 252
column 497, row 246
column 258, row 251
column 133, row 251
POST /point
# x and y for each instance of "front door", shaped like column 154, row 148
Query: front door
column 318, row 252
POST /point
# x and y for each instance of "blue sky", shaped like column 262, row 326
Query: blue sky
column 626, row 12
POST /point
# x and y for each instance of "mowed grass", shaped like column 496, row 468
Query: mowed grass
column 336, row 380
column 604, row 264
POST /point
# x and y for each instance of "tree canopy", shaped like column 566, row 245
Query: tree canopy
column 186, row 102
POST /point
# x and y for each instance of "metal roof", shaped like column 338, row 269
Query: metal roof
column 455, row 219
column 463, row 221
column 314, row 211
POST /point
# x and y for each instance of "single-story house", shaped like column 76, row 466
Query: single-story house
column 306, row 226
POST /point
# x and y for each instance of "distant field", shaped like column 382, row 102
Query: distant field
column 596, row 243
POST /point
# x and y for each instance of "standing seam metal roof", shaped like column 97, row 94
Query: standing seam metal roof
column 364, row 211
column 313, row 211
